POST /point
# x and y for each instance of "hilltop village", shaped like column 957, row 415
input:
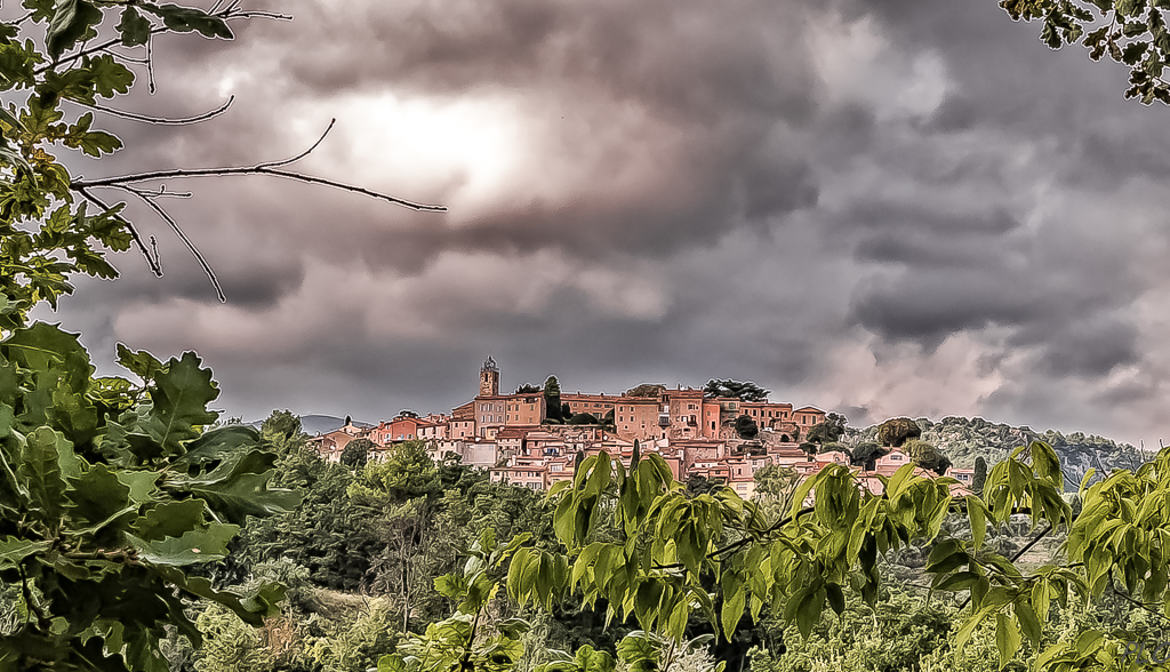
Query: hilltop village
column 523, row 439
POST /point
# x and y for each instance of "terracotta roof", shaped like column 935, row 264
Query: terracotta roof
column 601, row 398
column 512, row 433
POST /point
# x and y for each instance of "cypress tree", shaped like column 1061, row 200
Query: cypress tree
column 980, row 475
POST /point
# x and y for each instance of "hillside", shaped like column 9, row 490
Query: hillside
column 964, row 439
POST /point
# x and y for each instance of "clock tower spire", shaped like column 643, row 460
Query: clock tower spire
column 489, row 379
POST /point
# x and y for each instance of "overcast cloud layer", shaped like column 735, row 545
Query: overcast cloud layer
column 884, row 208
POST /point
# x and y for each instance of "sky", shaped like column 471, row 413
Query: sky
column 879, row 207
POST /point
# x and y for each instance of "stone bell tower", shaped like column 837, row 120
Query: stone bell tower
column 489, row 379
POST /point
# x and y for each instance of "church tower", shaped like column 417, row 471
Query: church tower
column 489, row 379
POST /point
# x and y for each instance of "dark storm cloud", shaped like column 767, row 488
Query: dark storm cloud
column 698, row 112
column 679, row 59
column 955, row 114
column 1088, row 345
column 891, row 207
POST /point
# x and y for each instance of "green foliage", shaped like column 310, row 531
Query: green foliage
column 281, row 427
column 734, row 389
column 328, row 534
column 230, row 645
column 583, row 419
column 111, row 492
column 822, row 433
column 116, row 492
column 895, row 634
column 675, row 550
column 775, row 488
column 458, row 642
column 552, row 387
column 355, row 643
column 555, row 411
column 648, row 553
column 405, row 472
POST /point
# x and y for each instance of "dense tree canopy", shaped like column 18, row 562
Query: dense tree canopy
column 357, row 452
column 829, row 430
column 926, row 456
column 645, row 390
column 896, row 431
column 746, row 427
column 866, row 453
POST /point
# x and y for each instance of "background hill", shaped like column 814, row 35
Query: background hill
column 964, row 439
column 318, row 424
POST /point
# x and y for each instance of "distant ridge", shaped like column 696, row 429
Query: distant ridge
column 319, row 424
column 964, row 439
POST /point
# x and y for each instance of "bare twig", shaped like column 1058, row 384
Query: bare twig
column 714, row 555
column 151, row 259
column 132, row 184
column 150, row 85
column 1138, row 603
column 298, row 157
column 1019, row 554
column 160, row 121
column 191, row 247
column 161, row 192
column 126, row 59
column 259, row 169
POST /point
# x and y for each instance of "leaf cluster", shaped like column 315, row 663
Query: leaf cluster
column 1131, row 32
column 112, row 492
